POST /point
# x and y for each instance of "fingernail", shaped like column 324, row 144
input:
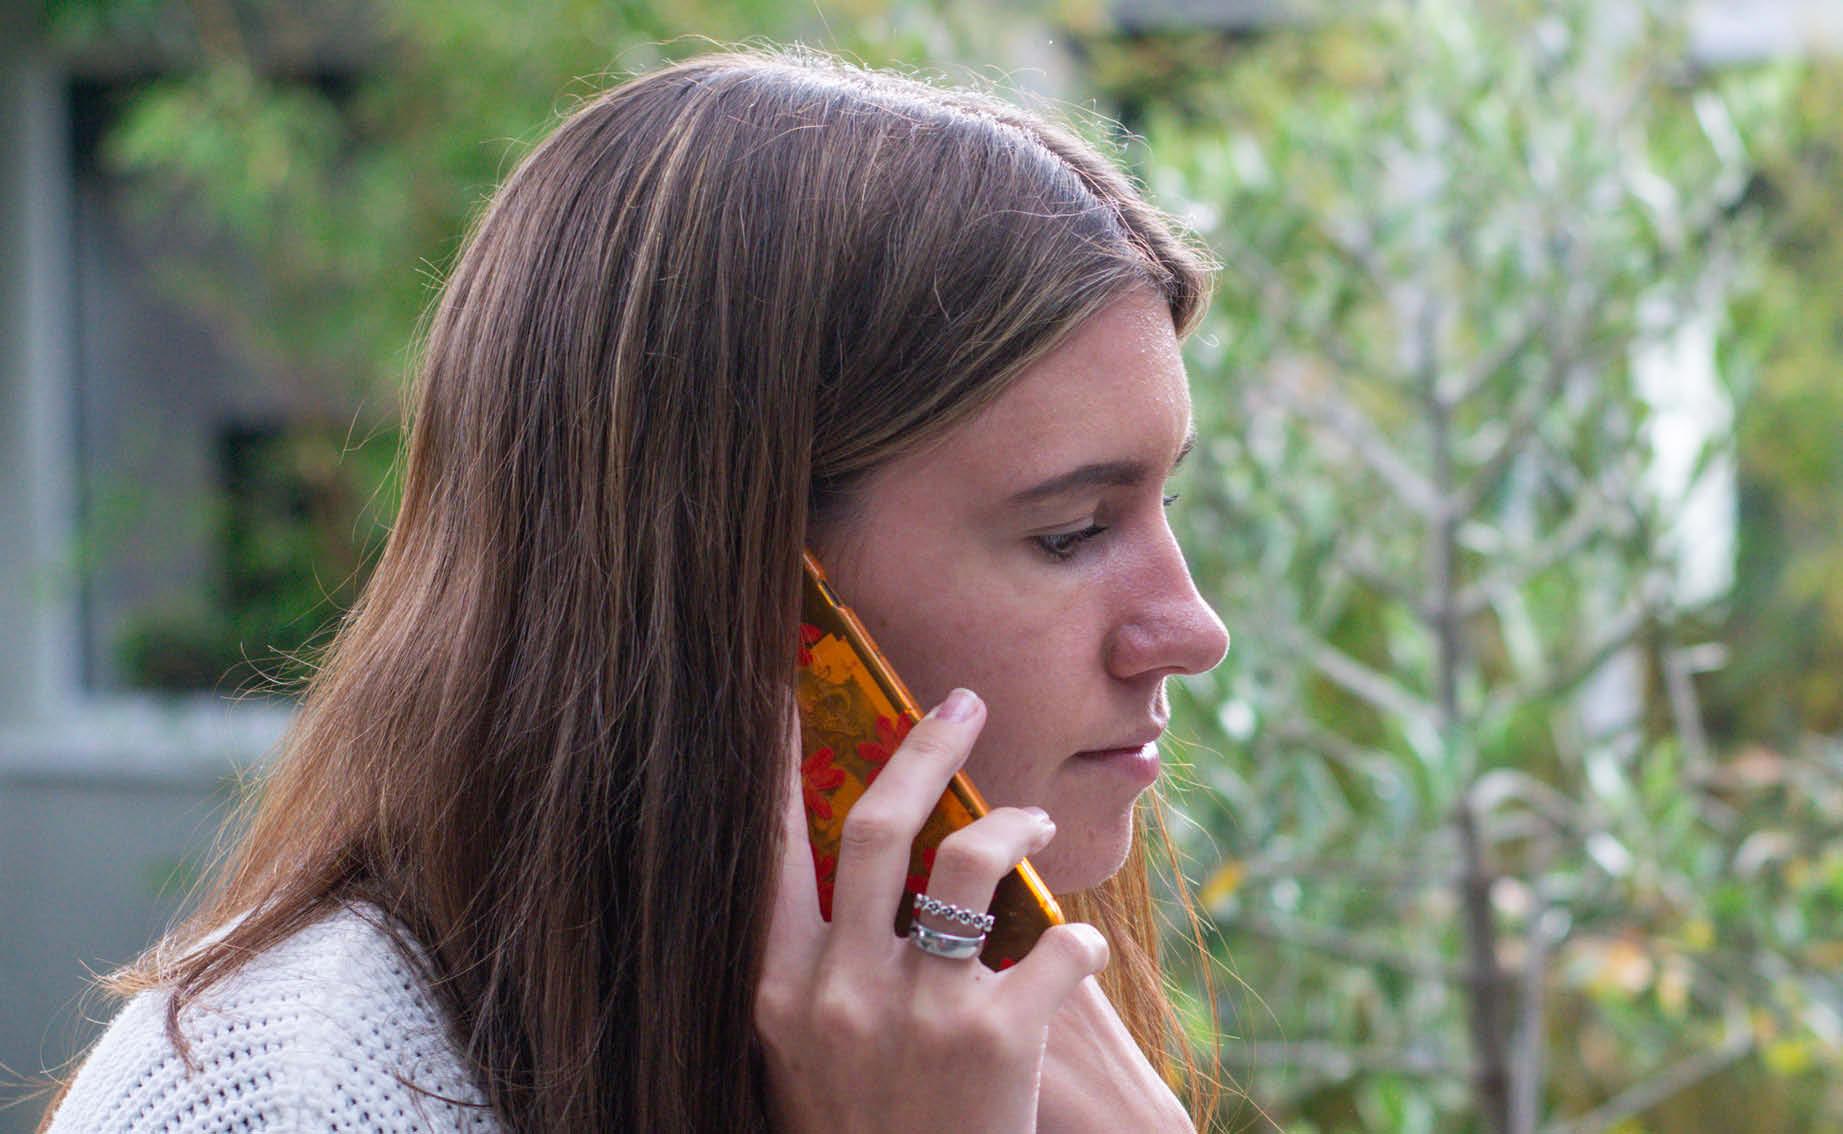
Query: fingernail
column 1042, row 817
column 959, row 705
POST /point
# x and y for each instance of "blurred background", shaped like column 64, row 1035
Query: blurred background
column 1518, row 804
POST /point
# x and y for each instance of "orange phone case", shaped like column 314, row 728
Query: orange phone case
column 854, row 711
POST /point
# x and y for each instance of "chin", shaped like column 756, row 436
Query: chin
column 1098, row 858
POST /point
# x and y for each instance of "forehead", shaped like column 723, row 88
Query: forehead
column 1115, row 389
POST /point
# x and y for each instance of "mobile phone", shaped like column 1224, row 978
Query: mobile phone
column 854, row 711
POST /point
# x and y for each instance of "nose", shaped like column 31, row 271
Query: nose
column 1165, row 627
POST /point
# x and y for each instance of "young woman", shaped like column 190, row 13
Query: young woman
column 533, row 857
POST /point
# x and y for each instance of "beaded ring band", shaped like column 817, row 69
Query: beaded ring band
column 983, row 922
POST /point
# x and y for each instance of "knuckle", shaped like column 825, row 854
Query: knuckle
column 776, row 1007
column 838, row 1010
column 930, row 745
column 868, row 827
column 936, row 1030
column 961, row 855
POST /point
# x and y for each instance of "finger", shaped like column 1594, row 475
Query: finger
column 1057, row 964
column 970, row 862
column 873, row 857
column 795, row 928
column 796, row 933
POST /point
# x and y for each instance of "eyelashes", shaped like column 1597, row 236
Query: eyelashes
column 1062, row 546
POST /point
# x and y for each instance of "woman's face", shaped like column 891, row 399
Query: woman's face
column 1026, row 556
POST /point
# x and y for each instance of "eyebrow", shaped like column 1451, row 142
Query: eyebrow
column 1101, row 474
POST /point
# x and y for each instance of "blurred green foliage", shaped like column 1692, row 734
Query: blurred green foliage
column 334, row 157
column 304, row 517
column 1484, row 838
column 1473, row 789
column 1785, row 627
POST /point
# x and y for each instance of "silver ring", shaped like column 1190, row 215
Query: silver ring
column 972, row 919
column 938, row 944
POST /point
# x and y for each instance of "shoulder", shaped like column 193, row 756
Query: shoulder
column 330, row 1029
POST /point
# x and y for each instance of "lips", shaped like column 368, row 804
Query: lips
column 1125, row 750
column 1131, row 744
column 1139, row 765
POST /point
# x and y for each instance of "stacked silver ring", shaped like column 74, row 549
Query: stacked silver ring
column 951, row 946
column 983, row 922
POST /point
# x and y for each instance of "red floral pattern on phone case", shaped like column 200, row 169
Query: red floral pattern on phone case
column 854, row 713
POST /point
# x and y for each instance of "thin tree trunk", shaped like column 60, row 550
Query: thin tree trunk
column 1488, row 1015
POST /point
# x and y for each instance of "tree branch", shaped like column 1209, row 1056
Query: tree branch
column 1366, row 572
column 1343, row 946
column 1486, row 367
column 1491, row 1078
column 1644, row 1095
column 1280, row 302
column 1340, row 423
column 1535, row 401
column 1500, row 784
column 1619, row 635
column 1680, row 667
column 1393, row 874
column 1546, row 930
column 1332, row 1061
column 1383, row 692
column 1588, row 518
column 1369, row 762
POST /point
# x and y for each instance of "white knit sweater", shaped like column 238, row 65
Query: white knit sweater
column 329, row 1030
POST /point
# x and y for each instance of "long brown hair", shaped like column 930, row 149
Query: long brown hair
column 543, row 742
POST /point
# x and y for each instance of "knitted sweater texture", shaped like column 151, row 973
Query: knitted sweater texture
column 329, row 1030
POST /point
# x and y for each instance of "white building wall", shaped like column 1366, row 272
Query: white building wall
column 106, row 802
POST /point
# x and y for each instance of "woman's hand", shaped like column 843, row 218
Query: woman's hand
column 1095, row 1078
column 863, row 1031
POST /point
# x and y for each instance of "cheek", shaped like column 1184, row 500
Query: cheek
column 942, row 640
column 1030, row 644
column 1037, row 677
column 936, row 646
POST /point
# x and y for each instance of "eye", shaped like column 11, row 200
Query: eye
column 1062, row 545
